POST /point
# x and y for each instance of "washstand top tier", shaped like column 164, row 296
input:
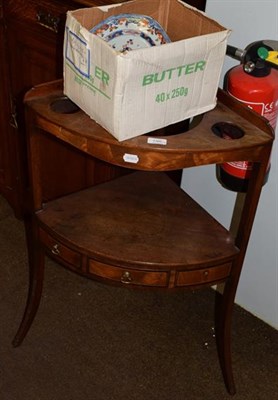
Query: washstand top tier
column 157, row 151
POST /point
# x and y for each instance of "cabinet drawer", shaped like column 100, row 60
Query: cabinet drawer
column 128, row 276
column 202, row 276
column 50, row 14
column 29, row 11
column 60, row 251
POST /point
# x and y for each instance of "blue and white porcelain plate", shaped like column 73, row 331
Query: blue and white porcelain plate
column 125, row 32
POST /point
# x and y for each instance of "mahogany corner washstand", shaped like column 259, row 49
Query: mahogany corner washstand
column 142, row 229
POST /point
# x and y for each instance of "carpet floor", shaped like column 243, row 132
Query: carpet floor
column 91, row 341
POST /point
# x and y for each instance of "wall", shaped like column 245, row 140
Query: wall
column 250, row 20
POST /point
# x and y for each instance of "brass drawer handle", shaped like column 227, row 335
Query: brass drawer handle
column 126, row 278
column 206, row 274
column 48, row 20
column 55, row 250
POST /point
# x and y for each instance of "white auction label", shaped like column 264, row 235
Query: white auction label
column 157, row 141
column 131, row 158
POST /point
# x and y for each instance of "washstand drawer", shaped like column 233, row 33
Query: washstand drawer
column 202, row 276
column 129, row 276
column 59, row 250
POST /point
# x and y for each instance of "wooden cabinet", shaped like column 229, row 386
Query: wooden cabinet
column 31, row 44
column 7, row 150
column 31, row 51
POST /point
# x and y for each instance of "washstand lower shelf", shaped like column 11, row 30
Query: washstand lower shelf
column 140, row 229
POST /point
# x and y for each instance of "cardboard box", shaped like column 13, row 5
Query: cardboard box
column 142, row 90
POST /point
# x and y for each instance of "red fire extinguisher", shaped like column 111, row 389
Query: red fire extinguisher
column 254, row 83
